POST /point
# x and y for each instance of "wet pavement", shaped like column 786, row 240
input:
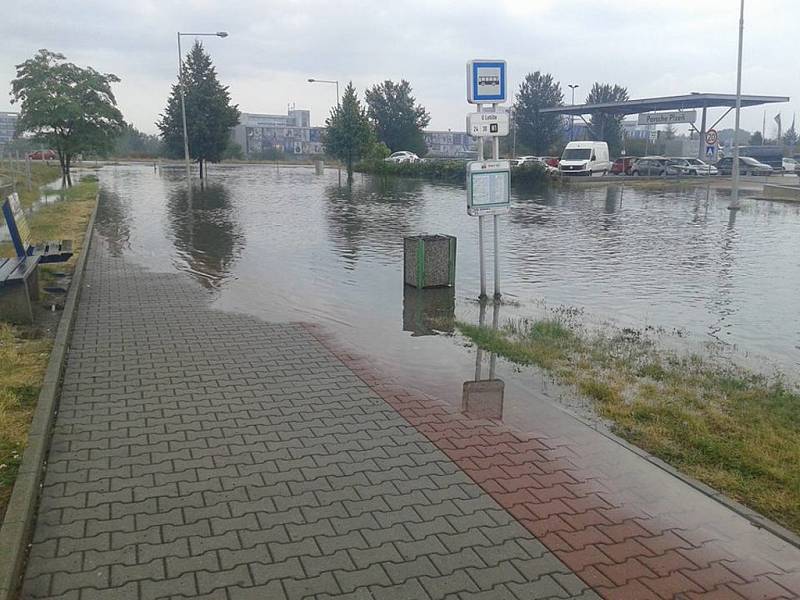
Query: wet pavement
column 331, row 258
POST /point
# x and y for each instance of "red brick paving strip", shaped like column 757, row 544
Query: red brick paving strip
column 620, row 550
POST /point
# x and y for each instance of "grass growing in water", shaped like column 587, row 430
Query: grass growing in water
column 733, row 429
column 24, row 351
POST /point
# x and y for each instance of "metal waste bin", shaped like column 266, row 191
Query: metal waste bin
column 429, row 260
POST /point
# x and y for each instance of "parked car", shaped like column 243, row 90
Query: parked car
column 653, row 166
column 693, row 166
column 545, row 161
column 584, row 158
column 622, row 166
column 402, row 157
column 43, row 155
column 747, row 166
column 790, row 165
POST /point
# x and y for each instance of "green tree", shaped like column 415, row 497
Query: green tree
column 209, row 113
column 397, row 119
column 536, row 132
column 669, row 132
column 606, row 126
column 348, row 136
column 132, row 143
column 790, row 137
column 756, row 139
column 71, row 109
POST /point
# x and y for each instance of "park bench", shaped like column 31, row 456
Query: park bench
column 48, row 252
column 19, row 288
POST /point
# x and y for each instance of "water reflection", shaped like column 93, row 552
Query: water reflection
column 113, row 221
column 428, row 311
column 205, row 230
column 483, row 398
column 377, row 211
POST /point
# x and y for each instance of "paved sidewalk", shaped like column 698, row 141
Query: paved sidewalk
column 200, row 454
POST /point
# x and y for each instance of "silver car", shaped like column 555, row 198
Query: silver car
column 693, row 166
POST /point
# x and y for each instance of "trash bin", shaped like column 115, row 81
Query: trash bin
column 429, row 260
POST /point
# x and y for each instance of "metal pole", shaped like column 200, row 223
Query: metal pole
column 479, row 352
column 480, row 229
column 735, row 171
column 496, row 156
column 702, row 144
column 183, row 110
column 493, row 355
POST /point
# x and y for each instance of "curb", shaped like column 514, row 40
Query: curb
column 20, row 516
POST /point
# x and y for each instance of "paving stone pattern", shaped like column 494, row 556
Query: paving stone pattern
column 201, row 454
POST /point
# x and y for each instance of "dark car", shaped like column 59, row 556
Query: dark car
column 747, row 166
column 653, row 166
column 623, row 165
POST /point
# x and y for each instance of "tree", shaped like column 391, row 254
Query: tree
column 790, row 137
column 605, row 126
column 537, row 132
column 348, row 136
column 397, row 119
column 209, row 113
column 669, row 132
column 756, row 139
column 132, row 143
column 71, row 109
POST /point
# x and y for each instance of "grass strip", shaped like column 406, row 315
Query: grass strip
column 25, row 350
column 733, row 429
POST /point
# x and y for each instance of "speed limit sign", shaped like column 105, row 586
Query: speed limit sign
column 711, row 137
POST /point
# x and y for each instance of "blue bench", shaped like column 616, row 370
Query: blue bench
column 48, row 252
column 19, row 288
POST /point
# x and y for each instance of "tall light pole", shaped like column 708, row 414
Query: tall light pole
column 735, row 170
column 572, row 86
column 181, row 85
column 312, row 80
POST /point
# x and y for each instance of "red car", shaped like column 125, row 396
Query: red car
column 43, row 155
column 622, row 165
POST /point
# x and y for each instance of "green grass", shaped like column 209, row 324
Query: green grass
column 24, row 351
column 736, row 430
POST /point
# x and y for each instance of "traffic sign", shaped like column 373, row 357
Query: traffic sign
column 711, row 137
column 487, row 124
column 711, row 152
column 488, row 187
column 486, row 81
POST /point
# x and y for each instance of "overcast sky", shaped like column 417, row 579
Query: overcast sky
column 654, row 48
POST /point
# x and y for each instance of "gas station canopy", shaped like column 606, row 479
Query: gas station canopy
column 688, row 101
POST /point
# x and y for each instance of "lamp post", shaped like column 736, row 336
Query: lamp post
column 735, row 170
column 312, row 80
column 181, row 85
column 572, row 86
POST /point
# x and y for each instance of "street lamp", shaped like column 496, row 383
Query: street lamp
column 735, row 170
column 572, row 86
column 222, row 34
column 312, row 80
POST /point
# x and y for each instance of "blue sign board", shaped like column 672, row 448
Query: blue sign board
column 486, row 81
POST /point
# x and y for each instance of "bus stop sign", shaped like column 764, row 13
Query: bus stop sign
column 486, row 81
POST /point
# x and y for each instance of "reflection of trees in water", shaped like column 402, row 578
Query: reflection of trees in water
column 205, row 231
column 113, row 221
column 372, row 216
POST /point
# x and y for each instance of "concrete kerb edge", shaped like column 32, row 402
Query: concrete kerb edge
column 17, row 526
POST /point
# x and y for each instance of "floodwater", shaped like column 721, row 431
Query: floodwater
column 286, row 244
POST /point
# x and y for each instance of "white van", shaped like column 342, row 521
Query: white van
column 584, row 158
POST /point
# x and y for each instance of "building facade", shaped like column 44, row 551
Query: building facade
column 259, row 134
column 450, row 144
column 8, row 126
column 262, row 134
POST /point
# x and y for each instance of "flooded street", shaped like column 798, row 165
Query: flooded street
column 288, row 245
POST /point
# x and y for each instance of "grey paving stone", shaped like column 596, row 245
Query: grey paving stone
column 203, row 454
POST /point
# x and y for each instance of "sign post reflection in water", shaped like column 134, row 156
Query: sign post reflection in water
column 488, row 182
column 483, row 398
